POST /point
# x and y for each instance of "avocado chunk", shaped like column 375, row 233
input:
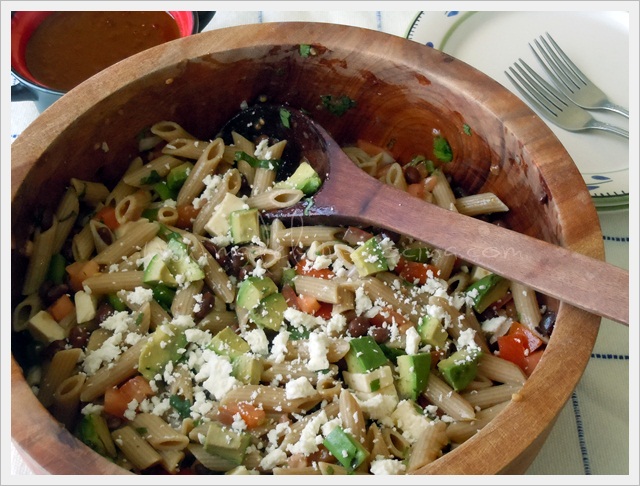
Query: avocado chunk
column 94, row 432
column 245, row 225
column 228, row 343
column 163, row 346
column 269, row 312
column 180, row 263
column 253, row 289
column 461, row 367
column 487, row 290
column 364, row 355
column 305, row 178
column 372, row 381
column 226, row 443
column 178, row 175
column 369, row 258
column 157, row 272
column 247, row 369
column 413, row 371
column 432, row 331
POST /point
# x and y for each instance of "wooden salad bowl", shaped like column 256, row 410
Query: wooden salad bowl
column 403, row 91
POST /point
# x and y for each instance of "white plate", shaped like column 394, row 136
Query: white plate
column 597, row 42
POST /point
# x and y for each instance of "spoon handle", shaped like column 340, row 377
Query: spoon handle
column 585, row 282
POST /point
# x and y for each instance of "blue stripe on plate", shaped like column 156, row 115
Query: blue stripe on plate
column 623, row 239
column 618, row 357
column 379, row 20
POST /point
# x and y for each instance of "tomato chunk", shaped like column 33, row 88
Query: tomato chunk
column 416, row 272
column 513, row 348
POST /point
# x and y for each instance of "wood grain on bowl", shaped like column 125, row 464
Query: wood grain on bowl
column 402, row 91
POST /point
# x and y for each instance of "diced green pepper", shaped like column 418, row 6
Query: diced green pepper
column 57, row 270
column 347, row 450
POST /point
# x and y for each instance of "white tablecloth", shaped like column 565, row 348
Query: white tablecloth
column 592, row 433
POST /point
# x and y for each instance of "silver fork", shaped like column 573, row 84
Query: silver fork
column 554, row 105
column 569, row 79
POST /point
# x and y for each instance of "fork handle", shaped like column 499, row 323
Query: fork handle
column 609, row 128
column 617, row 108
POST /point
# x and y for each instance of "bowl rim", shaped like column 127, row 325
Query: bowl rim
column 472, row 456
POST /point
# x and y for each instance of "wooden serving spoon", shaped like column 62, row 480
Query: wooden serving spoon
column 348, row 195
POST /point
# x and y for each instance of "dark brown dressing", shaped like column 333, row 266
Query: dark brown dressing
column 69, row 47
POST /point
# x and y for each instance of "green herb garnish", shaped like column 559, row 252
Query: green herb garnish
column 257, row 163
column 305, row 50
column 152, row 178
column 466, row 129
column 181, row 405
column 442, row 149
column 285, row 116
column 337, row 106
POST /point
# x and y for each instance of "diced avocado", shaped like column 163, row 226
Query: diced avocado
column 44, row 328
column 269, row 312
column 228, row 343
column 392, row 352
column 413, row 371
column 163, row 295
column 94, row 432
column 305, row 178
column 487, row 290
column 478, row 272
column 461, row 367
column 369, row 258
column 180, row 263
column 247, row 369
column 253, row 289
column 178, row 175
column 218, row 224
column 226, row 443
column 364, row 355
column 162, row 347
column 346, row 449
column 432, row 331
column 245, row 225
column 369, row 382
column 157, row 271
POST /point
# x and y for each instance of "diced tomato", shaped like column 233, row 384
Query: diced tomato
column 186, row 214
column 305, row 267
column 415, row 272
column 513, row 348
column 388, row 316
column 61, row 308
column 252, row 416
column 116, row 400
column 324, row 311
column 290, row 296
column 354, row 235
column 532, row 361
column 107, row 215
column 529, row 338
column 80, row 271
column 308, row 304
column 416, row 190
column 373, row 150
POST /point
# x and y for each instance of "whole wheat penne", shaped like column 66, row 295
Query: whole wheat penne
column 500, row 370
column 185, row 147
column 204, row 166
column 170, row 130
column 63, row 364
column 461, row 431
column 66, row 400
column 135, row 448
column 492, row 395
column 128, row 243
column 159, row 433
column 39, row 259
column 475, row 204
column 148, row 174
column 442, row 395
column 275, row 199
column 66, row 215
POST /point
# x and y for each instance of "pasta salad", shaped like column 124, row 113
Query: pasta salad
column 173, row 328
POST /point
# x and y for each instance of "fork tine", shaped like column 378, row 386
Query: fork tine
column 552, row 95
column 551, row 63
column 531, row 94
column 574, row 69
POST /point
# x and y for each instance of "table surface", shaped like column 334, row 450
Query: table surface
column 591, row 435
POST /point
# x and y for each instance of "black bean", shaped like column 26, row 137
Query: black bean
column 79, row 336
column 412, row 175
column 358, row 326
column 380, row 334
column 295, row 255
column 206, row 305
column 104, row 311
column 547, row 323
column 105, row 234
column 53, row 348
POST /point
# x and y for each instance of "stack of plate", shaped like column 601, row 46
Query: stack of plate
column 597, row 42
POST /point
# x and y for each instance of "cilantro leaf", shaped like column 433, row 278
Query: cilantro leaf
column 285, row 116
column 305, row 50
column 181, row 405
column 467, row 129
column 257, row 163
column 337, row 106
column 442, row 149
column 152, row 178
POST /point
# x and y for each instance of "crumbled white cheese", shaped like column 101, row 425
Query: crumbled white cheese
column 299, row 388
column 412, row 341
column 380, row 465
column 279, row 346
column 257, row 340
column 274, row 458
column 318, row 349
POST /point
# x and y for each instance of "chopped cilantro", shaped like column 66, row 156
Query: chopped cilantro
column 305, row 50
column 467, row 129
column 420, row 159
column 308, row 206
column 257, row 163
column 142, row 431
column 152, row 178
column 442, row 149
column 337, row 106
column 285, row 115
column 181, row 405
